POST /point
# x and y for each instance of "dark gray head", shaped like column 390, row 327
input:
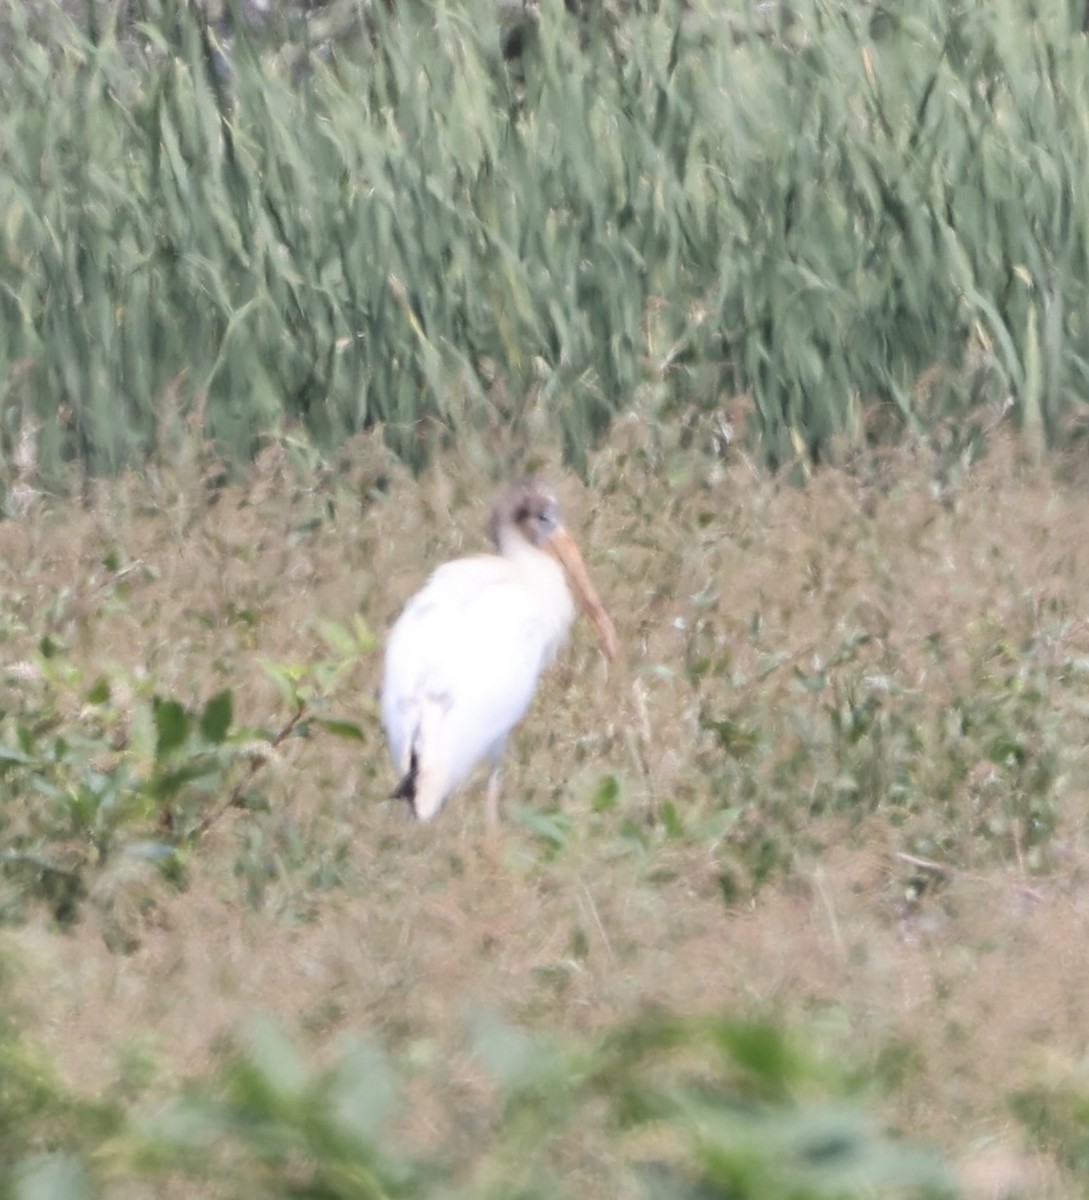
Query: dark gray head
column 529, row 507
column 529, row 510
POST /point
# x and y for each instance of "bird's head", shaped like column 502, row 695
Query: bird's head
column 530, row 510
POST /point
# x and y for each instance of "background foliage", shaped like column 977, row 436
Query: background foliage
column 862, row 220
column 681, row 236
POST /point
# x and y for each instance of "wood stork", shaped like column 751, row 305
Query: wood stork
column 464, row 657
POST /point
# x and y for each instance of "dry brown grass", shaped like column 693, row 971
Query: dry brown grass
column 956, row 985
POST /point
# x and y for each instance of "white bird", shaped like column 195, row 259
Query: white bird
column 464, row 657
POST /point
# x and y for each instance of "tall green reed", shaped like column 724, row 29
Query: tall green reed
column 864, row 221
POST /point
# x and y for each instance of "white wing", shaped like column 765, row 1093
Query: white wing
column 462, row 664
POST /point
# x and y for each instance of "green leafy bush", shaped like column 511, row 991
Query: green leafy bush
column 109, row 780
column 687, row 1108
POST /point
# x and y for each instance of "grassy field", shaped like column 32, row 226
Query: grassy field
column 791, row 307
column 827, row 813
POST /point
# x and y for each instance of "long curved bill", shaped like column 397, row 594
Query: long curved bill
column 561, row 545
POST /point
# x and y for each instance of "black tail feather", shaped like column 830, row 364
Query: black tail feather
column 406, row 789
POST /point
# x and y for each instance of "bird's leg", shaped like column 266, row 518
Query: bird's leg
column 491, row 804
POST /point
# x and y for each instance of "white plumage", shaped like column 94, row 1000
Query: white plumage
column 464, row 658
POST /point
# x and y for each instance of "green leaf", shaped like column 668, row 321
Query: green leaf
column 52, row 1177
column 215, row 720
column 548, row 828
column 10, row 755
column 287, row 678
column 671, row 819
column 364, row 638
column 171, row 726
column 515, row 1058
column 362, row 1092
column 344, row 729
column 339, row 639
column 607, row 794
column 169, row 783
column 100, row 693
column 735, row 738
column 272, row 1068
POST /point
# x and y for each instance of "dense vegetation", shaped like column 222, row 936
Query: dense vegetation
column 673, row 247
column 864, row 220
column 803, row 870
